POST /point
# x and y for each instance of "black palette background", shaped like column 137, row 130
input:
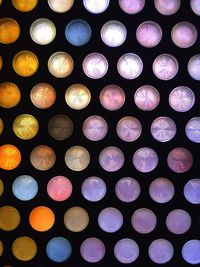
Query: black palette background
column 60, row 107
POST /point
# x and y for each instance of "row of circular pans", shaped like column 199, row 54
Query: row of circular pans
column 95, row 128
column 95, row 65
column 110, row 220
column 113, row 33
column 164, row 7
column 93, row 250
column 111, row 158
column 127, row 189
column 112, row 97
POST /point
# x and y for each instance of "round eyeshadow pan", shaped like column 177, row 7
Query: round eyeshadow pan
column 59, row 188
column 43, row 95
column 190, row 251
column 127, row 189
column 178, row 221
column 160, row 251
column 43, row 31
column 43, row 157
column 192, row 129
column 95, row 128
column 129, row 66
column 60, row 127
column 126, row 250
column 76, row 219
column 129, row 129
column 147, row 97
column 131, row 6
column 24, row 6
column 9, row 218
column 60, row 64
column 184, row 34
column 192, row 191
column 149, row 34
column 25, row 187
column 10, row 95
column 110, row 220
column 95, row 65
column 161, row 190
column 78, row 32
column 113, row 33
column 9, row 30
column 145, row 159
column 92, row 250
column 165, row 67
column 163, row 129
column 77, row 96
column 24, row 248
column 167, row 7
column 181, row 99
column 111, row 159
column 96, row 6
column 60, row 6
column 77, row 158
column 112, row 97
column 180, row 160
column 58, row 249
column 93, row 189
column 193, row 67
column 195, row 6
column 143, row 221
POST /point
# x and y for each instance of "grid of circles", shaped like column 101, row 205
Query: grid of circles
column 95, row 127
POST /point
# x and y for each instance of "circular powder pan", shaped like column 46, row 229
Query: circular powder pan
column 192, row 191
column 59, row 188
column 161, row 251
column 95, row 65
column 130, row 66
column 60, row 64
column 127, row 189
column 96, row 6
column 92, row 250
column 43, row 95
column 9, row 218
column 167, row 7
column 24, row 5
column 60, row 127
column 10, row 95
column 77, row 158
column 180, row 160
column 193, row 67
column 113, row 33
column 25, row 187
column 43, row 157
column 192, row 129
column 25, row 63
column 149, row 34
column 9, row 30
column 110, row 220
column 147, row 97
column 126, row 250
column 60, row 6
column 161, row 190
column 76, row 219
column 58, row 249
column 10, row 157
column 25, row 126
column 93, row 189
column 132, row 6
column 145, row 159
column 41, row 219
column 24, row 248
column 77, row 96
column 78, row 32
column 43, row 31
column 95, row 128
column 181, row 99
column 111, row 159
column 112, row 97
